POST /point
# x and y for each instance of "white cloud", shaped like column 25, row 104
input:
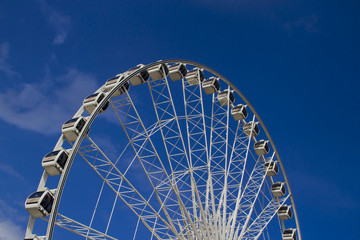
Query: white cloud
column 59, row 21
column 11, row 222
column 10, row 231
column 44, row 107
column 4, row 65
column 11, row 211
column 9, row 170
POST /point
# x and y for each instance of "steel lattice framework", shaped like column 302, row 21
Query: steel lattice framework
column 183, row 168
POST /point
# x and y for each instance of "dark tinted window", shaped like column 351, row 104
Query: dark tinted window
column 126, row 86
column 113, row 78
column 260, row 143
column 106, row 106
column 256, row 128
column 71, row 120
column 92, row 95
column 238, row 107
column 54, row 153
column 245, row 112
column 217, row 84
column 183, row 70
column 232, row 98
column 276, row 185
column 145, row 75
column 62, row 159
column 267, row 147
column 36, row 195
column 166, row 69
column 101, row 98
column 47, row 202
column 201, row 75
column 283, row 208
column 80, row 125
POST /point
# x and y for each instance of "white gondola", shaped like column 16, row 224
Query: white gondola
column 278, row 189
column 112, row 82
column 226, row 98
column 284, row 212
column 177, row 71
column 93, row 100
column 251, row 128
column 211, row 85
column 261, row 147
column 158, row 72
column 72, row 128
column 54, row 162
column 271, row 168
column 139, row 78
column 195, row 76
column 239, row 112
column 289, row 234
column 39, row 204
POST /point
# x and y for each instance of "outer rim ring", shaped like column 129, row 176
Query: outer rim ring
column 77, row 143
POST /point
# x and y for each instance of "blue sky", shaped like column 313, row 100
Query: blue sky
column 297, row 62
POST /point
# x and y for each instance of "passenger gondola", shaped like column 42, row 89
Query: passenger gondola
column 239, row 112
column 177, row 71
column 139, row 78
column 226, row 97
column 284, row 212
column 72, row 128
column 158, row 72
column 251, row 128
column 54, row 162
column 112, row 82
column 289, row 234
column 195, row 76
column 261, row 147
column 278, row 189
column 211, row 85
column 93, row 100
column 271, row 168
column 39, row 204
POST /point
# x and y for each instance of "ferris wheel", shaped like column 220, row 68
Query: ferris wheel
column 181, row 154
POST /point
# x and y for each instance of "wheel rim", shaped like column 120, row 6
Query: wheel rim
column 204, row 200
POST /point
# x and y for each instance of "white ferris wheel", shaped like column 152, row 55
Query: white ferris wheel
column 181, row 154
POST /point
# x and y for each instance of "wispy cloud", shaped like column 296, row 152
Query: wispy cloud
column 11, row 211
column 59, row 21
column 4, row 65
column 10, row 231
column 308, row 23
column 43, row 107
column 9, row 170
column 10, row 221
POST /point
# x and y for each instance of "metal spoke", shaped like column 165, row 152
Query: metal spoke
column 79, row 228
column 173, row 142
column 198, row 150
column 93, row 155
column 257, row 227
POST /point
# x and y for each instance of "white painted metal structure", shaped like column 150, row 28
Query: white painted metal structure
column 184, row 168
